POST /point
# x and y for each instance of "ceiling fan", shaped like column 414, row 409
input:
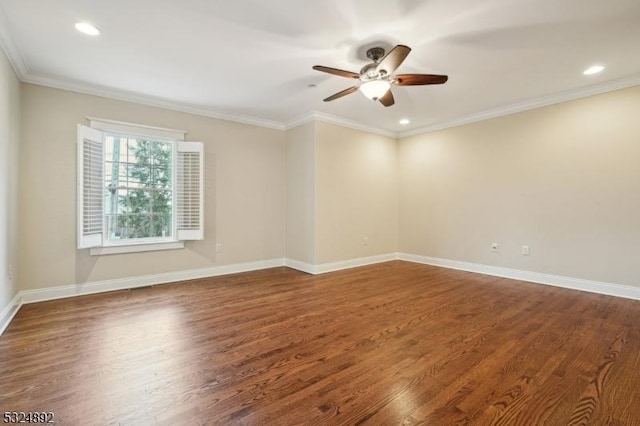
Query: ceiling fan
column 377, row 77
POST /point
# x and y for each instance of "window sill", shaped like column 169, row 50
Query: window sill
column 136, row 248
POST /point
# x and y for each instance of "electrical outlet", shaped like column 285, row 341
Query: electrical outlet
column 218, row 247
column 365, row 241
column 525, row 251
column 494, row 247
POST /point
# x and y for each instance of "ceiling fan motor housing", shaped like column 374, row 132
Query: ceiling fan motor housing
column 375, row 53
column 370, row 71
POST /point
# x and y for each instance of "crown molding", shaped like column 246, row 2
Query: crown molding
column 119, row 95
column 25, row 75
column 344, row 122
column 608, row 86
column 9, row 47
column 339, row 121
column 566, row 96
column 558, row 98
column 307, row 117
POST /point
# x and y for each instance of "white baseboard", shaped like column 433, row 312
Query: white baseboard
column 60, row 292
column 52, row 293
column 353, row 263
column 323, row 268
column 619, row 290
column 300, row 266
column 9, row 312
column 40, row 295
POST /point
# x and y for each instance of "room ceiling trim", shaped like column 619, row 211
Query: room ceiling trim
column 334, row 119
column 556, row 98
column 28, row 76
column 119, row 95
column 105, row 92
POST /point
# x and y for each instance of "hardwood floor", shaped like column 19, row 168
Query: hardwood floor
column 393, row 343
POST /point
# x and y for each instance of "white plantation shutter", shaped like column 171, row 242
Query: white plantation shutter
column 90, row 182
column 189, row 191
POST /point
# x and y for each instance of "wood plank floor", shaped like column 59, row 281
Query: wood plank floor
column 393, row 343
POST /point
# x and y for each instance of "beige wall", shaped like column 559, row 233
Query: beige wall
column 356, row 194
column 561, row 179
column 9, row 142
column 564, row 180
column 244, row 191
column 300, row 220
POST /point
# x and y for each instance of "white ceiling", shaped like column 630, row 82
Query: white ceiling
column 251, row 59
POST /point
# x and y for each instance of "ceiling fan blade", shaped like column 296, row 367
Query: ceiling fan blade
column 393, row 59
column 387, row 99
column 345, row 92
column 335, row 71
column 420, row 79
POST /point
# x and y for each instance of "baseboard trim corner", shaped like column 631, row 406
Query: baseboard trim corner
column 300, row 266
column 599, row 287
column 9, row 312
column 324, row 268
column 354, row 263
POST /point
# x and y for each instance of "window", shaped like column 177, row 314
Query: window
column 139, row 188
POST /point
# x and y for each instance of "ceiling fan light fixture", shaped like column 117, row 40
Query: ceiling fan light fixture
column 375, row 89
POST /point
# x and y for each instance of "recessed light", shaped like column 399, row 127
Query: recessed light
column 86, row 28
column 593, row 70
column 404, row 121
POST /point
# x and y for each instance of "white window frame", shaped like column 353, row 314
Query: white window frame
column 99, row 245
